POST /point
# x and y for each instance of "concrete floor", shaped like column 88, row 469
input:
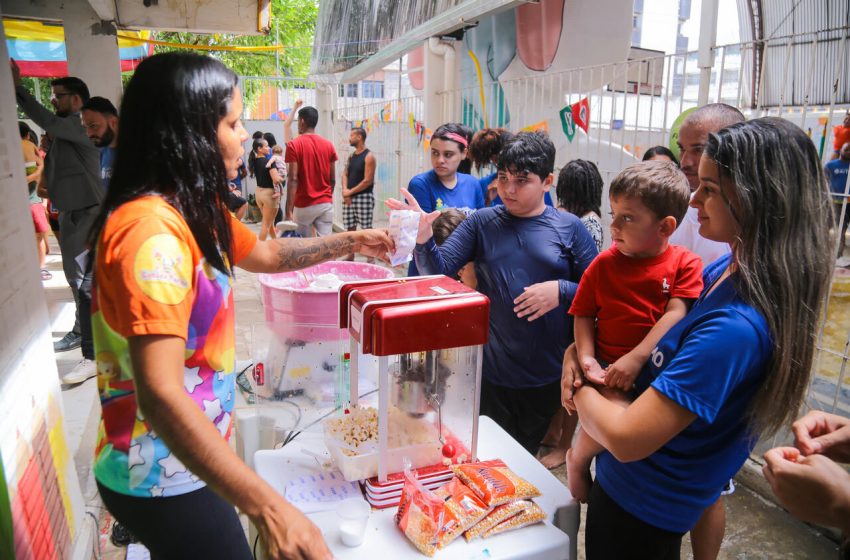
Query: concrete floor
column 756, row 528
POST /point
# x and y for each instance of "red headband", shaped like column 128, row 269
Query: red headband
column 457, row 138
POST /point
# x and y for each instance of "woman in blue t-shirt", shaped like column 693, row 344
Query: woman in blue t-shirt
column 443, row 186
column 736, row 367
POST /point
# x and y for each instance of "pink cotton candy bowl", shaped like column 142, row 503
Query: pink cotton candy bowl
column 296, row 310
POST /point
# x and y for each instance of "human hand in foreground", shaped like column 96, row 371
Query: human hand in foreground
column 374, row 243
column 286, row 533
column 814, row 488
column 537, row 300
column 622, row 373
column 571, row 378
column 425, row 220
column 823, row 433
column 593, row 371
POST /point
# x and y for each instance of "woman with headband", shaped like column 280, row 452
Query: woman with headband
column 443, row 186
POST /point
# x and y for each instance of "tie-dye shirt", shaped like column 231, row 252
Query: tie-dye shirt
column 152, row 279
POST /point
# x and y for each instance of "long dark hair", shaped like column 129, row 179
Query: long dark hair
column 784, row 251
column 168, row 145
column 579, row 188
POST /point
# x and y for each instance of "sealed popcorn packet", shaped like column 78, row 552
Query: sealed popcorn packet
column 494, row 482
column 496, row 516
column 464, row 510
column 530, row 516
column 420, row 515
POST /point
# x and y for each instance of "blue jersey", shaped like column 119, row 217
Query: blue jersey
column 836, row 171
column 432, row 195
column 511, row 253
column 485, row 184
column 712, row 363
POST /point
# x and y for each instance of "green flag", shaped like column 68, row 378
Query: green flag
column 568, row 123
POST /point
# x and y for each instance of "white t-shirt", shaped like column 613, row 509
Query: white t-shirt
column 687, row 235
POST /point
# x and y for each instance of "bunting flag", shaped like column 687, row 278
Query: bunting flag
column 39, row 48
column 568, row 123
column 542, row 126
column 581, row 114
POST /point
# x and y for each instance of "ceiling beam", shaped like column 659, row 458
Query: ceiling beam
column 455, row 18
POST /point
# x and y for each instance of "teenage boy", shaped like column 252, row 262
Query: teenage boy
column 633, row 293
column 528, row 260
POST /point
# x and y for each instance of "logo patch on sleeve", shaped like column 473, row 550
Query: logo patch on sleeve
column 163, row 269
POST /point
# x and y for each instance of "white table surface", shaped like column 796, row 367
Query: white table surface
column 554, row 539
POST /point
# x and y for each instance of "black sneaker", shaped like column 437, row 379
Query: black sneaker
column 69, row 342
column 121, row 536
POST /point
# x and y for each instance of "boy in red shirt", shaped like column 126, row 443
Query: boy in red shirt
column 633, row 293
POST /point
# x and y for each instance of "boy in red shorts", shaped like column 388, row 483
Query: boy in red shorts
column 633, row 293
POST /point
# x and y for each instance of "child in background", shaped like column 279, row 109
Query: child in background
column 443, row 227
column 276, row 162
column 633, row 293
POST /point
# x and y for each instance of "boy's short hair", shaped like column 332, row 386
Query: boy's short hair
column 659, row 185
column 309, row 115
column 278, row 149
column 446, row 223
column 528, row 152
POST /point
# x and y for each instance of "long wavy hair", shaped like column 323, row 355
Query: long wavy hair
column 784, row 252
column 168, row 145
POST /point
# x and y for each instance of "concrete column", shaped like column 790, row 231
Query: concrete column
column 92, row 49
column 325, row 105
column 437, row 66
column 707, row 40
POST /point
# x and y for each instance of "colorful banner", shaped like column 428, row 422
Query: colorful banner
column 581, row 114
column 542, row 126
column 39, row 48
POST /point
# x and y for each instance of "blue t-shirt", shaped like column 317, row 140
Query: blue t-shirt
column 837, row 171
column 511, row 253
column 712, row 363
column 107, row 162
column 432, row 195
column 485, row 181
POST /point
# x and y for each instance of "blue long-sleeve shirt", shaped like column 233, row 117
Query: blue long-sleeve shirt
column 511, row 253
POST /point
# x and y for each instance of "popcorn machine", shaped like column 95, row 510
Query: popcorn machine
column 427, row 334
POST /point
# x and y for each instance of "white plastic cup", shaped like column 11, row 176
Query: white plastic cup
column 353, row 519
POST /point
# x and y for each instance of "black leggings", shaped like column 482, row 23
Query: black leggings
column 611, row 532
column 199, row 524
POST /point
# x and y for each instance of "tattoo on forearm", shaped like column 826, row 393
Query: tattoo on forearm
column 294, row 254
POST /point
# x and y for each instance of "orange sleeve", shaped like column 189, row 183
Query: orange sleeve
column 145, row 273
column 840, row 135
column 244, row 239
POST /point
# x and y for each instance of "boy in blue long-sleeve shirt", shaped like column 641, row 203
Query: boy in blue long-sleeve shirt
column 528, row 258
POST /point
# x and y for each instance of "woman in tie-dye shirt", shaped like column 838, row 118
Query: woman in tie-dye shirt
column 163, row 320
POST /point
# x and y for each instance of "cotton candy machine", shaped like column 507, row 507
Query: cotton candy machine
column 427, row 335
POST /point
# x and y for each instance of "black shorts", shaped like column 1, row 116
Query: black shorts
column 523, row 413
column 610, row 532
column 234, row 202
column 199, row 524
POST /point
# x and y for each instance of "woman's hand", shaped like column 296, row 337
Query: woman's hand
column 287, row 533
column 537, row 300
column 823, row 433
column 425, row 220
column 571, row 378
column 813, row 488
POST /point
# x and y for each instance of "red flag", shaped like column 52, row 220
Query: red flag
column 581, row 114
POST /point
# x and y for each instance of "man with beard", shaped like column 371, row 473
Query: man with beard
column 100, row 119
column 358, row 183
column 72, row 179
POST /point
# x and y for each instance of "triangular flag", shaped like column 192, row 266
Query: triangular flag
column 567, row 122
column 581, row 114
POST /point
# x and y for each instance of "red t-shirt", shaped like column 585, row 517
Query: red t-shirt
column 628, row 295
column 314, row 156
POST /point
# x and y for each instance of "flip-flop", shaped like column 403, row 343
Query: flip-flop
column 45, row 274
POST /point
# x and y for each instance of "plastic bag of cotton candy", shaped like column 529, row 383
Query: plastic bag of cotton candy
column 404, row 225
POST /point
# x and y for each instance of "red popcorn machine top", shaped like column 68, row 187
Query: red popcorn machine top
column 426, row 335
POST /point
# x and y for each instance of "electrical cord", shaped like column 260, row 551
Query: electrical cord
column 254, row 548
column 293, row 434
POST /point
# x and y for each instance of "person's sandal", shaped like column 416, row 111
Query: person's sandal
column 45, row 274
